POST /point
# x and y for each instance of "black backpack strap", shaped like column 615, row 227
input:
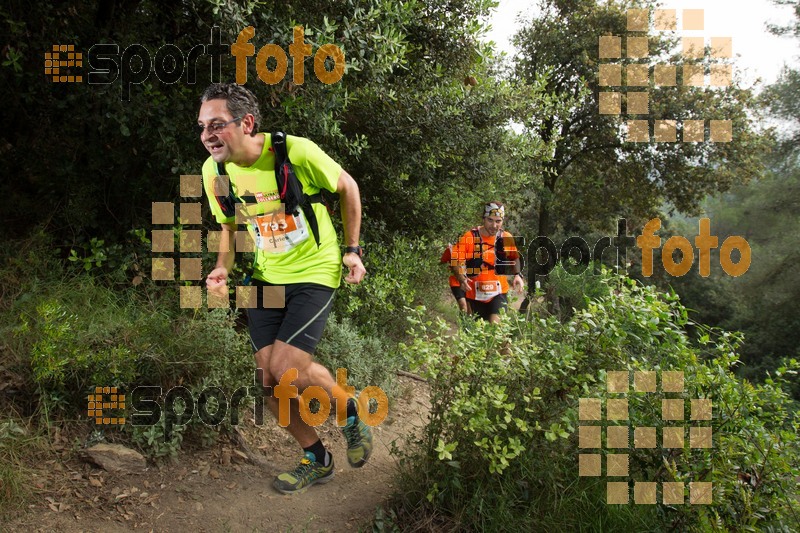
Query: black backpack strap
column 476, row 263
column 289, row 187
column 501, row 260
column 501, row 265
column 226, row 202
column 228, row 206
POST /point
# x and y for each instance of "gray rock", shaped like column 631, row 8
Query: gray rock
column 115, row 458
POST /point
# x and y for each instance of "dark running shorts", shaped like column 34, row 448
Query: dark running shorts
column 299, row 322
column 458, row 293
column 485, row 309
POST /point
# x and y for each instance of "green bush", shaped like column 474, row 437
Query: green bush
column 500, row 450
column 154, row 442
column 67, row 330
column 365, row 358
column 63, row 357
column 79, row 334
column 64, row 332
column 399, row 274
column 575, row 291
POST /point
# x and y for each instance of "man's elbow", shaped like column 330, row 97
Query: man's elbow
column 346, row 186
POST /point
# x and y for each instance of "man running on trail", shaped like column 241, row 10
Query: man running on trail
column 296, row 268
column 481, row 260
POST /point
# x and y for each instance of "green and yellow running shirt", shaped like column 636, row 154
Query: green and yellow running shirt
column 285, row 248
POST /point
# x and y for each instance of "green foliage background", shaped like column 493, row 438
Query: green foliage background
column 500, row 450
column 89, row 163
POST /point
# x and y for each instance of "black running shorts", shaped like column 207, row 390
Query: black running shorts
column 458, row 293
column 486, row 309
column 299, row 322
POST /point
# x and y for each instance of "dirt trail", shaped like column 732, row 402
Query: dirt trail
column 205, row 491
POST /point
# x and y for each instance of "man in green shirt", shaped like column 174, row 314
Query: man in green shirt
column 289, row 262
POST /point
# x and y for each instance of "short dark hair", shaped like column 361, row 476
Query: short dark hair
column 240, row 101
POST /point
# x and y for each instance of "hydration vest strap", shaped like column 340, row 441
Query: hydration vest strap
column 289, row 186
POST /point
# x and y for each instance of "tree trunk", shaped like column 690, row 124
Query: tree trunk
column 545, row 229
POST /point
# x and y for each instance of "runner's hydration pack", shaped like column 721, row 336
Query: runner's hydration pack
column 289, row 188
column 502, row 266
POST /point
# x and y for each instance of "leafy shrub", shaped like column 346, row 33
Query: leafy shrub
column 398, row 275
column 114, row 341
column 63, row 333
column 154, row 442
column 575, row 291
column 365, row 358
column 62, row 359
column 500, row 448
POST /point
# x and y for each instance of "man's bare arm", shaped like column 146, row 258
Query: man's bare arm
column 349, row 196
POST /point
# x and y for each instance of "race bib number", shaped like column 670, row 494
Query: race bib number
column 278, row 232
column 486, row 290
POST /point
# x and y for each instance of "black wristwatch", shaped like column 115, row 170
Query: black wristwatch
column 358, row 250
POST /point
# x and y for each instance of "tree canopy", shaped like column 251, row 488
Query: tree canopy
column 762, row 303
column 595, row 174
column 419, row 117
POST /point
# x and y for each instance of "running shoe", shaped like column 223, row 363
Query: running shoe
column 359, row 441
column 307, row 473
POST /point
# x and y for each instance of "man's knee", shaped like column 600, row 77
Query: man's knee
column 262, row 358
column 286, row 358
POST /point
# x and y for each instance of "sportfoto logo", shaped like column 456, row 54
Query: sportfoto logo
column 135, row 64
column 212, row 404
column 543, row 254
